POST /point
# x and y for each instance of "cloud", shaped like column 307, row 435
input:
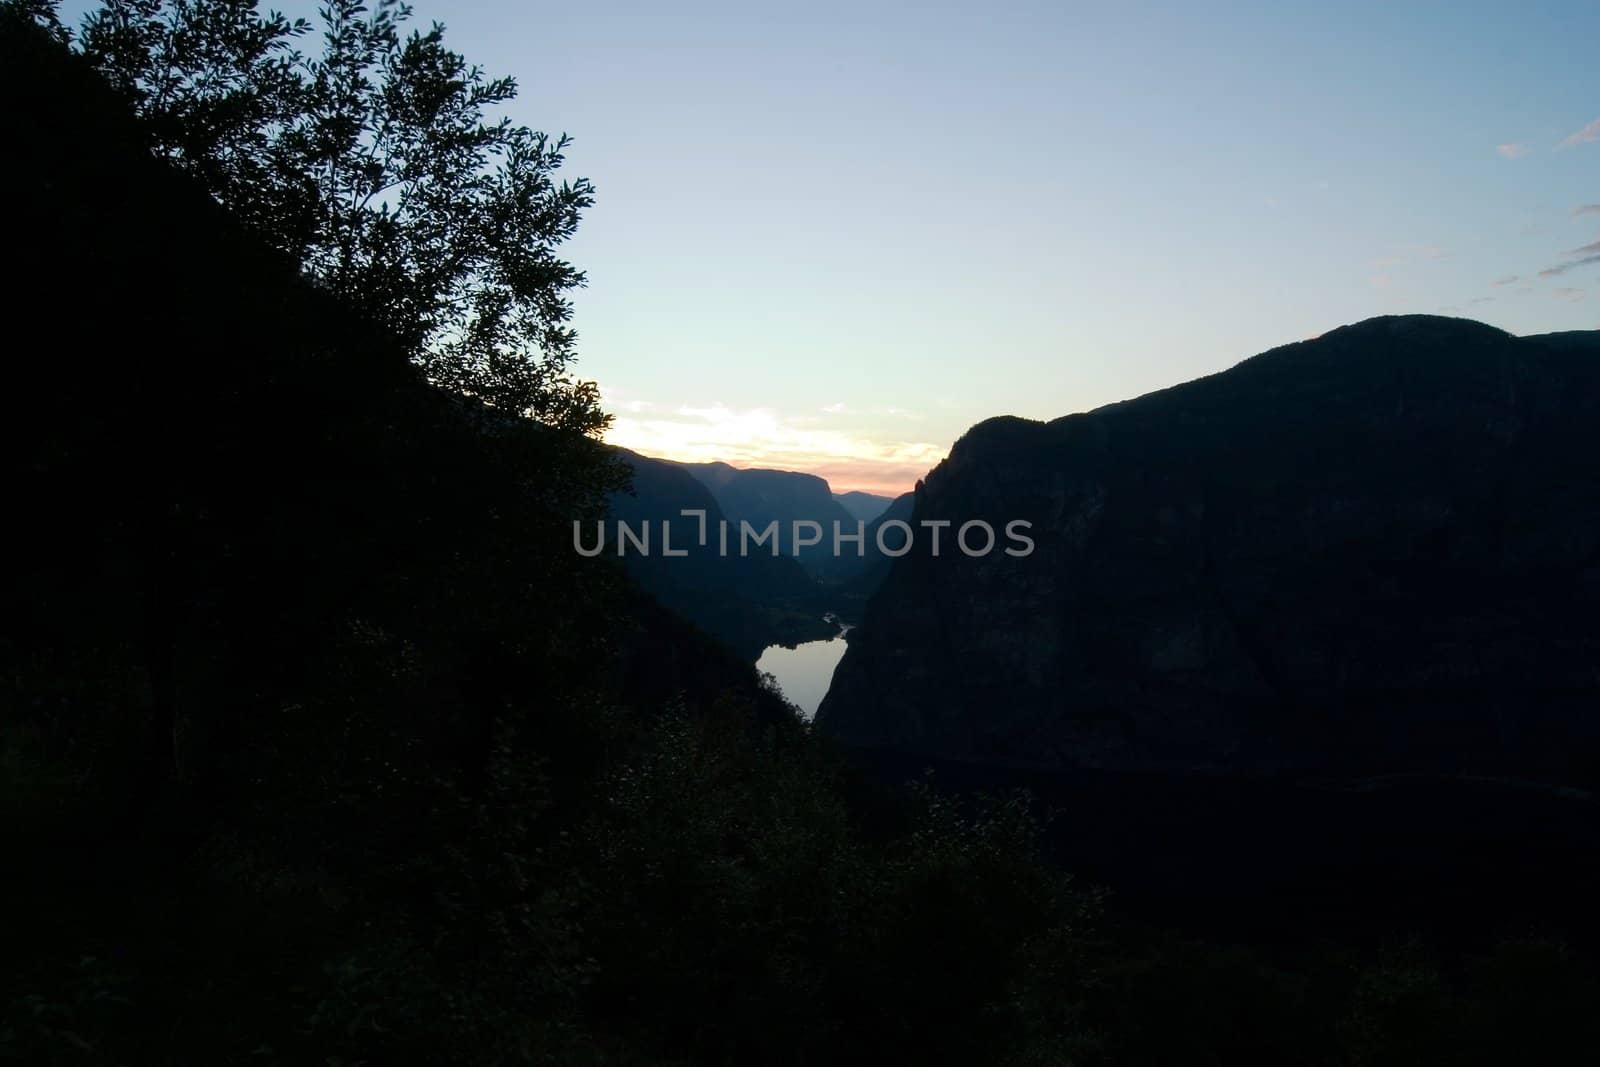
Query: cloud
column 1513, row 150
column 1562, row 268
column 1587, row 209
column 1567, row 293
column 1589, row 253
column 762, row 437
column 614, row 402
column 1507, row 280
column 1589, row 133
column 1481, row 300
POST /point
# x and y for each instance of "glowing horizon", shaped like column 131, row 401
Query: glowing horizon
column 824, row 443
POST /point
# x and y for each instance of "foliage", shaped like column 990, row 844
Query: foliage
column 376, row 163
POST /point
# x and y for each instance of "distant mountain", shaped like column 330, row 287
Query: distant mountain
column 858, row 578
column 863, row 506
column 1373, row 553
column 899, row 510
column 755, row 599
column 760, row 497
column 748, row 601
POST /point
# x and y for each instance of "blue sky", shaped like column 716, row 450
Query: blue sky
column 833, row 236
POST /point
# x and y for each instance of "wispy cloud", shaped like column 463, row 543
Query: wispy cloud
column 1508, row 279
column 762, row 437
column 1587, row 209
column 1562, row 268
column 1481, row 300
column 1567, row 293
column 614, row 402
column 1589, row 133
column 1587, row 254
column 1512, row 150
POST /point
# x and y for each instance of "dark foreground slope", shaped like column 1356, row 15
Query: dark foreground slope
column 318, row 744
column 1373, row 553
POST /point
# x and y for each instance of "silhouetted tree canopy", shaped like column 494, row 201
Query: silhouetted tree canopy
column 373, row 161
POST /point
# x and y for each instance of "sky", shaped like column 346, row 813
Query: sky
column 831, row 237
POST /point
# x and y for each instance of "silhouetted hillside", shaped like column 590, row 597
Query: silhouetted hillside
column 321, row 744
column 1377, row 552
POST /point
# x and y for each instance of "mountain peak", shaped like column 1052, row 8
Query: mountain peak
column 1322, row 560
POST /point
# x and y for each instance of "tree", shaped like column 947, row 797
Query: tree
column 375, row 165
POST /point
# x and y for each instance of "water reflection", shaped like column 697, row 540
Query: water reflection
column 805, row 671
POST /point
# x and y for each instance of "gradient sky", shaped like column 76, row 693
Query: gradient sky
column 832, row 237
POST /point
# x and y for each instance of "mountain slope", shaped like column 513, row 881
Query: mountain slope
column 1374, row 552
column 760, row 497
column 858, row 577
column 748, row 602
column 864, row 506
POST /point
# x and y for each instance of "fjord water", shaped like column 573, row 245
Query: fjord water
column 805, row 671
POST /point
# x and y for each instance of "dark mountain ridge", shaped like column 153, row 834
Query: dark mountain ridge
column 760, row 497
column 859, row 577
column 748, row 602
column 753, row 599
column 1373, row 552
column 864, row 506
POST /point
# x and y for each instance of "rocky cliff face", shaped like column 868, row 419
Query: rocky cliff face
column 1374, row 552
